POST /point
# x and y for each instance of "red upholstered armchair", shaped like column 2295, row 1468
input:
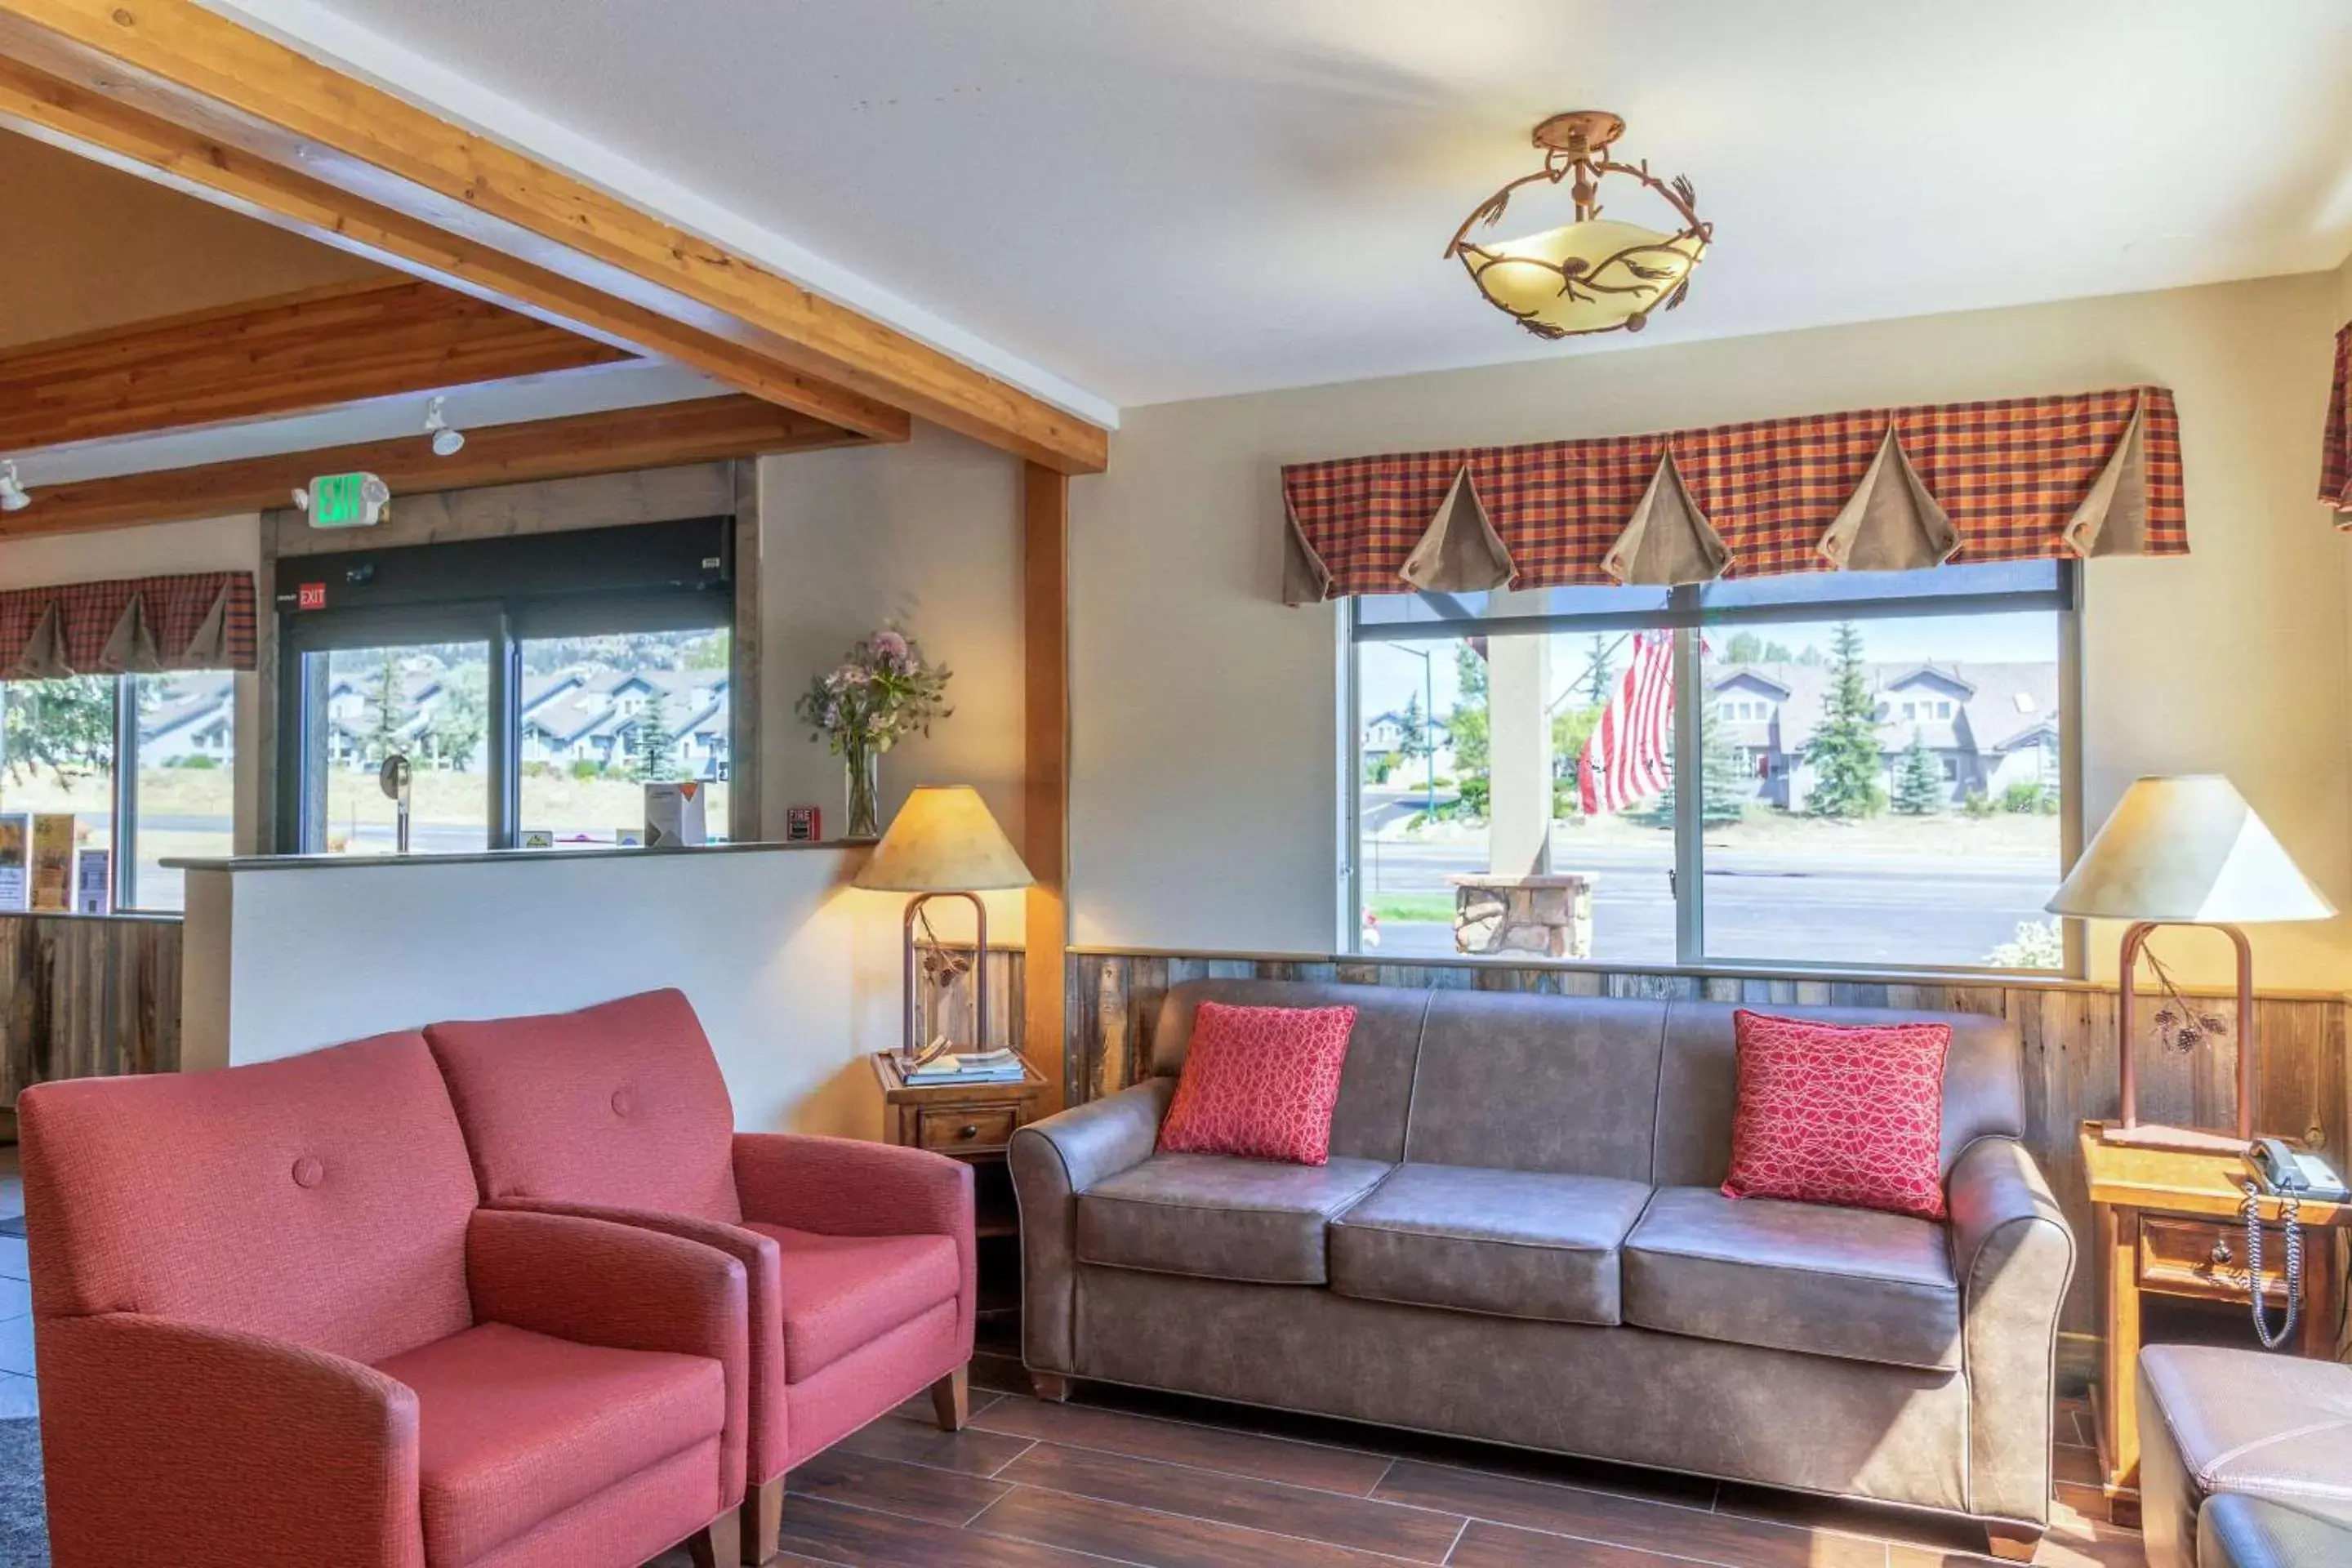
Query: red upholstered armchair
column 276, row 1331
column 859, row 1255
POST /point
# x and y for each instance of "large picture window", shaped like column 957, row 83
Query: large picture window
column 145, row 764
column 1879, row 771
column 535, row 684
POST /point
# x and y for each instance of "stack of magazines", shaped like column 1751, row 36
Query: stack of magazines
column 971, row 1067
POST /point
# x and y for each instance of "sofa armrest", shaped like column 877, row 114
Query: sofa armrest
column 604, row 1284
column 1053, row 1162
column 164, row 1440
column 763, row 1296
column 2013, row 1254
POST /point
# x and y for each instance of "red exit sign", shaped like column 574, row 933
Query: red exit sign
column 310, row 596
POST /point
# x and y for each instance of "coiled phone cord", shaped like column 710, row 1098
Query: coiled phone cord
column 2289, row 1207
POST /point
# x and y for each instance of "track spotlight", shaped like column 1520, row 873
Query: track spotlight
column 446, row 442
column 12, row 494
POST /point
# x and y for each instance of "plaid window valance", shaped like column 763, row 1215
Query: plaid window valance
column 200, row 621
column 2335, row 458
column 2095, row 473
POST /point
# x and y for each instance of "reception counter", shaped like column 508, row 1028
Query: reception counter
column 794, row 973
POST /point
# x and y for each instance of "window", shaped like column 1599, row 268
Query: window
column 1877, row 774
column 535, row 684
column 143, row 763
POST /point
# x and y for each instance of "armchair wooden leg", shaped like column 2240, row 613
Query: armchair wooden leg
column 762, row 1517
column 1050, row 1386
column 2012, row 1543
column 951, row 1399
column 719, row 1544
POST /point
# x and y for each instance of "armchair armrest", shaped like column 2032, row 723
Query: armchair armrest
column 210, row 1444
column 1053, row 1162
column 844, row 1186
column 2013, row 1254
column 762, row 1278
column 606, row 1284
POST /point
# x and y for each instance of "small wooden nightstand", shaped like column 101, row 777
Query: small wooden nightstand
column 2169, row 1225
column 972, row 1122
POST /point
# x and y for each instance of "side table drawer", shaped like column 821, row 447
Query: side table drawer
column 2207, row 1258
column 951, row 1129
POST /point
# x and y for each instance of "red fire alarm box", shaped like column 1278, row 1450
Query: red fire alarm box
column 803, row 825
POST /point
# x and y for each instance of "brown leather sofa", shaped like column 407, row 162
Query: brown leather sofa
column 2244, row 1460
column 1519, row 1237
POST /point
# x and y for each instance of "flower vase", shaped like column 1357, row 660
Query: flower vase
column 863, row 765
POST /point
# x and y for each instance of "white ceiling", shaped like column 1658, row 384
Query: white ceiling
column 1122, row 202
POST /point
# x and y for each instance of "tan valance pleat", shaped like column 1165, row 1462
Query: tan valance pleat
column 1891, row 524
column 1668, row 541
column 1461, row 553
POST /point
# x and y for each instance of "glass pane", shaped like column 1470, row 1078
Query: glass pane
column 1375, row 610
column 603, row 716
column 1430, row 789
column 2018, row 577
column 427, row 702
column 58, row 740
column 185, row 798
column 1884, row 791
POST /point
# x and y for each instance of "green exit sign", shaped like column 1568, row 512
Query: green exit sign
column 348, row 501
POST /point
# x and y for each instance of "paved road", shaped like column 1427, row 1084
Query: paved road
column 1842, row 908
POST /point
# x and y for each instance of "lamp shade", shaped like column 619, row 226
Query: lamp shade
column 2189, row 850
column 1586, row 278
column 943, row 840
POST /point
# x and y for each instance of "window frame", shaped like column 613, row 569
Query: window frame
column 1690, row 612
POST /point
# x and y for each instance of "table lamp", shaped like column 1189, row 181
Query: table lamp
column 944, row 843
column 2186, row 851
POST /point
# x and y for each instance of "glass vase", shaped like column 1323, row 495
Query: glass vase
column 863, row 766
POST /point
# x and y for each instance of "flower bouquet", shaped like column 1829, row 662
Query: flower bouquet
column 882, row 691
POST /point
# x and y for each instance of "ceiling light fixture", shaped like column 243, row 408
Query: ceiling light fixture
column 1596, row 275
column 446, row 442
column 14, row 497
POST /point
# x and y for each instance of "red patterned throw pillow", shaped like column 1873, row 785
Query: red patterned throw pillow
column 1260, row 1082
column 1840, row 1113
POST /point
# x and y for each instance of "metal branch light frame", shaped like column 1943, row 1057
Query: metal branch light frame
column 1595, row 275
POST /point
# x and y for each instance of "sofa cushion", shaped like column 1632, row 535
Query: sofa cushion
column 1220, row 1218
column 1794, row 1277
column 841, row 1293
column 1260, row 1082
column 1517, row 1244
column 513, row 1428
column 1523, row 1081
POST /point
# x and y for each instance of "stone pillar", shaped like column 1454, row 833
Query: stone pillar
column 1545, row 917
column 1519, row 684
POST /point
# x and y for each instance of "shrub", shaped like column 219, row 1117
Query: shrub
column 198, row 761
column 1475, row 796
column 583, row 770
column 1976, row 805
column 2029, row 797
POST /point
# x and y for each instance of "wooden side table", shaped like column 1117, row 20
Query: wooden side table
column 973, row 1123
column 2170, row 1224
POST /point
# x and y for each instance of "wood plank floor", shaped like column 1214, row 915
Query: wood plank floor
column 1125, row 1477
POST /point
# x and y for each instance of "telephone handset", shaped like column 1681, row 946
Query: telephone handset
column 2282, row 1170
column 2294, row 1177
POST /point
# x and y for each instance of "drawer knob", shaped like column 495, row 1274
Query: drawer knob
column 969, row 1130
column 2222, row 1254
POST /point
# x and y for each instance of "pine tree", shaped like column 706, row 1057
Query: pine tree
column 655, row 746
column 1843, row 753
column 1413, row 729
column 1725, row 786
column 384, row 731
column 1596, row 677
column 1918, row 783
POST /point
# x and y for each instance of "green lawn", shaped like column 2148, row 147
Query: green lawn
column 1413, row 908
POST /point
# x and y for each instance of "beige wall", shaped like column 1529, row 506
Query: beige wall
column 1206, row 787
column 925, row 536
column 114, row 248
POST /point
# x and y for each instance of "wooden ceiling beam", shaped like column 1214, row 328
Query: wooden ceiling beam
column 124, row 136
column 238, row 91
column 267, row 358
column 663, row 436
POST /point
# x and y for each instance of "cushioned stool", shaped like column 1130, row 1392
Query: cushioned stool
column 2227, row 1421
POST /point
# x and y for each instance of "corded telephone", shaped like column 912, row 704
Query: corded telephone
column 2294, row 1177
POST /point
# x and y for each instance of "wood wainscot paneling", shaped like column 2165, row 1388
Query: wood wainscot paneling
column 86, row 995
column 2068, row 1030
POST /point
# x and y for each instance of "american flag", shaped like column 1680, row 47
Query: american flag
column 1624, row 761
